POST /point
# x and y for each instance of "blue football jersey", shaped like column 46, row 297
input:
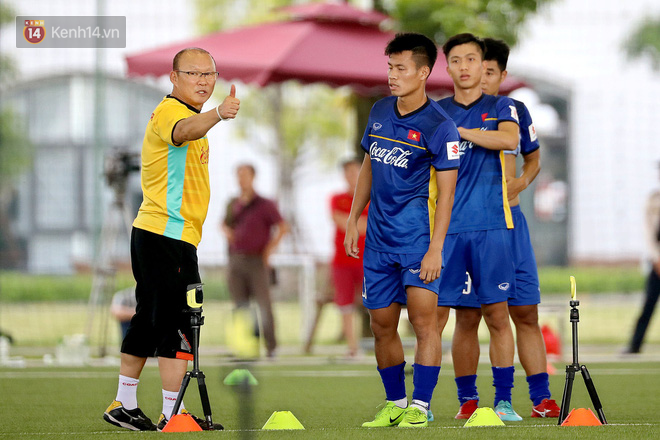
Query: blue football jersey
column 405, row 152
column 480, row 202
column 528, row 140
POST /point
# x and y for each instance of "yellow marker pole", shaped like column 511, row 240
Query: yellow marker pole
column 573, row 288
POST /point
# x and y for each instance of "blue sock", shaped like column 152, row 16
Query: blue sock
column 539, row 387
column 503, row 382
column 466, row 386
column 394, row 381
column 425, row 379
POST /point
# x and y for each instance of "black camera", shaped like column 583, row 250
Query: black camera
column 119, row 164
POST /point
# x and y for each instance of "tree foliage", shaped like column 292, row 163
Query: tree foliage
column 215, row 15
column 15, row 151
column 440, row 19
column 645, row 41
column 7, row 70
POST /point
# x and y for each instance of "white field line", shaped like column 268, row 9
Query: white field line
column 86, row 433
column 282, row 373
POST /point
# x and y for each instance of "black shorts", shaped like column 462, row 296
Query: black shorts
column 163, row 267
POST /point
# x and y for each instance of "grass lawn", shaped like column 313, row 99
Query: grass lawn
column 330, row 400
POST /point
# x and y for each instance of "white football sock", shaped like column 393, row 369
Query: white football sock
column 127, row 392
column 169, row 399
column 401, row 403
column 423, row 406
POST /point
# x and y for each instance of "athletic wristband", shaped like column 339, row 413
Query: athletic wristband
column 218, row 112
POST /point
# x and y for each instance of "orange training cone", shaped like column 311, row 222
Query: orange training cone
column 182, row 423
column 581, row 417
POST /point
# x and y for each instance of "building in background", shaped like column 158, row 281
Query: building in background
column 575, row 49
column 58, row 195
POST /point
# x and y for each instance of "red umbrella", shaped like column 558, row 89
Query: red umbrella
column 336, row 44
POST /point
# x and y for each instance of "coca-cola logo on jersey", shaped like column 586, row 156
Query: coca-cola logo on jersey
column 397, row 156
column 464, row 145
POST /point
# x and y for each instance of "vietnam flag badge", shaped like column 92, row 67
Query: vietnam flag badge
column 414, row 135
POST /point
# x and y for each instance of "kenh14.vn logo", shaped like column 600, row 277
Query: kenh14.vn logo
column 34, row 31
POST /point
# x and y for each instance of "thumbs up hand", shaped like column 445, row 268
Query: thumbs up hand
column 230, row 106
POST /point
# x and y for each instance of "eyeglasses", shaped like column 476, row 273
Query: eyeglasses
column 195, row 75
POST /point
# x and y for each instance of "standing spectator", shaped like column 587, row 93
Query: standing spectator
column 165, row 236
column 347, row 273
column 248, row 226
column 652, row 228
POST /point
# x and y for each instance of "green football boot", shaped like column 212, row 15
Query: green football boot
column 414, row 418
column 390, row 415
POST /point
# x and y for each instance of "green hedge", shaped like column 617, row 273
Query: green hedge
column 591, row 279
column 16, row 286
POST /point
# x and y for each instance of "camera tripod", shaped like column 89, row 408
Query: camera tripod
column 117, row 220
column 575, row 367
column 195, row 300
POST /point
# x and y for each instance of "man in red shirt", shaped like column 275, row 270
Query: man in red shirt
column 253, row 227
column 346, row 272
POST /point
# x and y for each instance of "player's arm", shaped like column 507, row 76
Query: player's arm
column 196, row 126
column 504, row 138
column 339, row 218
column 432, row 261
column 530, row 169
column 360, row 200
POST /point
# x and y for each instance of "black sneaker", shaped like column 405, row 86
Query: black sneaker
column 203, row 423
column 162, row 421
column 133, row 419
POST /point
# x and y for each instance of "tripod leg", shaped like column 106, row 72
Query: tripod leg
column 182, row 391
column 588, row 381
column 204, row 397
column 568, row 389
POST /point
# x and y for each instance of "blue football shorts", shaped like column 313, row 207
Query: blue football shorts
column 488, row 259
column 387, row 275
column 528, row 291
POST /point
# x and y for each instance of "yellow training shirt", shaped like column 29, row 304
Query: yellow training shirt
column 175, row 178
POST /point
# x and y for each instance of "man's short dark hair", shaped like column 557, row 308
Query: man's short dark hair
column 423, row 48
column 459, row 39
column 177, row 57
column 497, row 50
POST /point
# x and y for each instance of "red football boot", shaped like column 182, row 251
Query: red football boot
column 467, row 409
column 547, row 408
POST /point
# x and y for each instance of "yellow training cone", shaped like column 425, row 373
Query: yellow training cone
column 283, row 420
column 483, row 417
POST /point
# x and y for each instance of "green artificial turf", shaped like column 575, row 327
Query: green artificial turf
column 330, row 400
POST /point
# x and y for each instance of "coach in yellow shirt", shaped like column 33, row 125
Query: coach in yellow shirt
column 166, row 232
